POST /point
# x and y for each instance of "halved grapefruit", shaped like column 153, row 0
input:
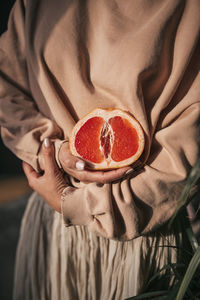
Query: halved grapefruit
column 107, row 138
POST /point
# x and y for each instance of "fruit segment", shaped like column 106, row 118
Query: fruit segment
column 88, row 140
column 108, row 138
column 125, row 139
column 97, row 140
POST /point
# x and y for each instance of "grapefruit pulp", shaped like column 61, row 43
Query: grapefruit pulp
column 107, row 138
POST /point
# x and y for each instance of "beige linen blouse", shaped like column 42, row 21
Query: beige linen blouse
column 61, row 59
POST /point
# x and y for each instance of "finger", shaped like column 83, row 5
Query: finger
column 50, row 165
column 80, row 165
column 70, row 161
column 99, row 176
column 74, row 167
column 30, row 173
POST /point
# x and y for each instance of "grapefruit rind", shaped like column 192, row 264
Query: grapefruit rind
column 106, row 114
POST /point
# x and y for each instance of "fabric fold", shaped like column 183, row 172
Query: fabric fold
column 45, row 89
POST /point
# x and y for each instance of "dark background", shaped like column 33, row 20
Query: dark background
column 11, row 211
column 14, row 192
column 9, row 164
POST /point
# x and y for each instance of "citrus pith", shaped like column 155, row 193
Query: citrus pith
column 107, row 138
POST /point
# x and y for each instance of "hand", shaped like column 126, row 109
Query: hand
column 51, row 184
column 69, row 165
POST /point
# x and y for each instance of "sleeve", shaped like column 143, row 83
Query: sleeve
column 143, row 201
column 23, row 127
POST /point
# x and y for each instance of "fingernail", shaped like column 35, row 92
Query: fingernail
column 129, row 171
column 80, row 165
column 47, row 142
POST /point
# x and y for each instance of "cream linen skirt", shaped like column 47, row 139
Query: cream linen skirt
column 55, row 262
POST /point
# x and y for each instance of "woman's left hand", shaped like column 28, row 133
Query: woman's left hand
column 51, row 184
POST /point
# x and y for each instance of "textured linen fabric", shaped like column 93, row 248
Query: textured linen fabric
column 59, row 60
column 55, row 262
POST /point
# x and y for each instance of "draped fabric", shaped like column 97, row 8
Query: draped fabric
column 60, row 60
column 57, row 263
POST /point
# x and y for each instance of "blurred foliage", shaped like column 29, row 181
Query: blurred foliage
column 187, row 284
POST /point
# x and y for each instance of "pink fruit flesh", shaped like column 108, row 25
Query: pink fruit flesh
column 95, row 139
column 88, row 139
column 125, row 139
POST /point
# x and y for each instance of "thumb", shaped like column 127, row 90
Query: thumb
column 69, row 161
column 48, row 152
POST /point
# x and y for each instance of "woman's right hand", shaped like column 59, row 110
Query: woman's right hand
column 51, row 183
column 78, row 168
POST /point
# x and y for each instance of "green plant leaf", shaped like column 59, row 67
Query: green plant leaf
column 192, row 238
column 149, row 295
column 193, row 265
column 191, row 181
column 168, row 266
column 173, row 292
